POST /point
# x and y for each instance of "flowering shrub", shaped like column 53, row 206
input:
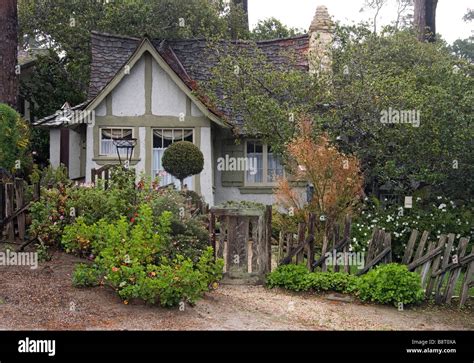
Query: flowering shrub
column 439, row 217
column 133, row 259
column 49, row 216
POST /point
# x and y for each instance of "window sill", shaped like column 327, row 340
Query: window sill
column 103, row 160
column 264, row 189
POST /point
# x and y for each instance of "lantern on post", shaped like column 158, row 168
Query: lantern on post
column 127, row 145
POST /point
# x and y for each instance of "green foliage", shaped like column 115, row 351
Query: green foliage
column 86, row 275
column 370, row 73
column 14, row 140
column 183, row 159
column 272, row 28
column 65, row 27
column 386, row 284
column 291, row 277
column 298, row 278
column 390, row 284
column 333, row 281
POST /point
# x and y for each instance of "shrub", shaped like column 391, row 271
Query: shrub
column 291, row 277
column 183, row 159
column 86, row 276
column 334, row 281
column 134, row 259
column 14, row 140
column 169, row 282
column 390, row 284
column 386, row 284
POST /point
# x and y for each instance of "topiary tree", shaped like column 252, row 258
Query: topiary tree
column 183, row 159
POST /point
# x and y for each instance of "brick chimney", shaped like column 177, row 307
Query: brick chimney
column 320, row 41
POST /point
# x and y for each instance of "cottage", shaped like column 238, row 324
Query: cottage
column 143, row 89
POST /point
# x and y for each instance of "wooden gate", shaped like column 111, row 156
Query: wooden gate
column 243, row 241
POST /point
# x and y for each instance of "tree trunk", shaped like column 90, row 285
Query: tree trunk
column 8, row 52
column 425, row 19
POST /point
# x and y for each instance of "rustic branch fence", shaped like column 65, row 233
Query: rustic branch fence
column 13, row 208
column 440, row 264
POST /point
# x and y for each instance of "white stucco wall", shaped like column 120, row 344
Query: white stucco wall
column 195, row 111
column 75, row 145
column 128, row 98
column 54, row 147
column 206, row 174
column 166, row 98
column 101, row 110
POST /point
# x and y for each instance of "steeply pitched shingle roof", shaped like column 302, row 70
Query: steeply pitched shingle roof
column 192, row 60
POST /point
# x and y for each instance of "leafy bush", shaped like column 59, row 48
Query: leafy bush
column 139, row 260
column 298, row 278
column 291, row 277
column 390, row 284
column 386, row 284
column 14, row 140
column 86, row 276
column 183, row 159
column 334, row 281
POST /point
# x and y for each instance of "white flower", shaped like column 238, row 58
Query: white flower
column 418, row 199
column 458, row 235
column 440, row 198
column 442, row 206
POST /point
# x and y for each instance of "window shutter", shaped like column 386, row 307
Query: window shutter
column 233, row 178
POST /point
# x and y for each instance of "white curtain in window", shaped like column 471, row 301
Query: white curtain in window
column 157, row 166
column 107, row 143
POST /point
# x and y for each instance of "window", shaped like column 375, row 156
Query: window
column 266, row 165
column 162, row 138
column 107, row 137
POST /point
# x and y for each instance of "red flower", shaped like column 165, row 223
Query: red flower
column 132, row 220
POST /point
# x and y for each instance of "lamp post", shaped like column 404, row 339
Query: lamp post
column 128, row 145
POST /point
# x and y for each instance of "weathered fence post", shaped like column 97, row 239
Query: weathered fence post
column 310, row 258
column 467, row 282
column 21, row 218
column 9, row 210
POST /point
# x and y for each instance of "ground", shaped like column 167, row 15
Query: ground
column 45, row 299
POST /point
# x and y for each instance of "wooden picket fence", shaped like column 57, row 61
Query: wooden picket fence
column 13, row 208
column 439, row 266
column 102, row 173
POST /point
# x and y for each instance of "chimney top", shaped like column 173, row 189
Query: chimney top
column 321, row 21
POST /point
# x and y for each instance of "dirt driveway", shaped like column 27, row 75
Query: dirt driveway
column 45, row 299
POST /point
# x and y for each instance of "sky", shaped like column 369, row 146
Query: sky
column 299, row 13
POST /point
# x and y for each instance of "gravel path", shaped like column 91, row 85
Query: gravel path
column 45, row 299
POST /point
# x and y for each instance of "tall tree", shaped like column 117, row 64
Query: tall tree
column 272, row 28
column 8, row 52
column 425, row 19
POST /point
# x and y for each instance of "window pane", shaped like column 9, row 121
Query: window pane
column 117, row 133
column 162, row 138
column 255, row 152
column 275, row 168
column 106, row 134
column 157, row 141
